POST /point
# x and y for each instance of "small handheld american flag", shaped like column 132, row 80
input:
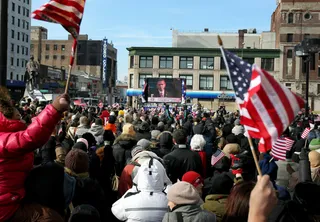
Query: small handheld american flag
column 305, row 133
column 216, row 157
column 280, row 148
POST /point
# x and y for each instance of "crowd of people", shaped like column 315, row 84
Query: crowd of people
column 60, row 162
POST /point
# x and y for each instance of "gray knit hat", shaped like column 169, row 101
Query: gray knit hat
column 183, row 193
column 144, row 143
column 155, row 134
column 137, row 149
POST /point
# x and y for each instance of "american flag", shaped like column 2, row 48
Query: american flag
column 266, row 107
column 280, row 148
column 216, row 157
column 68, row 13
column 305, row 133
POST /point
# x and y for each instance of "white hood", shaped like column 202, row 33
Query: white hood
column 151, row 177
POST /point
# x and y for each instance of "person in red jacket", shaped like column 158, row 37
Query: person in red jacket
column 105, row 116
column 17, row 143
column 197, row 144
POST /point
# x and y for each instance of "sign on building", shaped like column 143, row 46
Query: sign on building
column 104, row 62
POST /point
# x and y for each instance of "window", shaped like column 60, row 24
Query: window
column 12, row 61
column 47, row 57
column 63, row 57
column 54, row 56
column 27, row 51
column 166, row 62
column 289, row 54
column 306, row 36
column 27, row 25
column 206, row 82
column 13, row 6
column 22, row 49
column 22, row 63
column 249, row 60
column 63, row 47
column 186, row 62
column 18, row 35
column 18, row 49
column 21, row 77
column 267, row 64
column 206, row 63
column 303, row 88
column 18, row 22
column 222, row 64
column 11, row 75
column 225, row 83
column 23, row 36
column 289, row 37
column 47, row 47
column 27, row 38
column 142, row 77
column 289, row 61
column 27, row 13
column 12, row 20
column 318, row 88
column 24, row 11
column 318, row 71
column 12, row 47
column 28, row 2
column 55, row 47
column 189, row 80
column 165, row 76
column 17, row 77
column 312, row 61
column 19, row 9
column 23, row 23
column 131, row 61
column 288, row 85
column 18, row 62
column 131, row 84
column 146, row 61
column 12, row 34
column 290, row 18
column 307, row 16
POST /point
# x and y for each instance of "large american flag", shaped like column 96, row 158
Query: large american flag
column 267, row 108
column 68, row 13
column 280, row 148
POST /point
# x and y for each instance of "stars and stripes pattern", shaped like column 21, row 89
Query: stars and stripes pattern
column 216, row 157
column 68, row 13
column 280, row 148
column 305, row 133
column 267, row 108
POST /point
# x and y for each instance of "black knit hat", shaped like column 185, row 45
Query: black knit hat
column 84, row 213
column 77, row 161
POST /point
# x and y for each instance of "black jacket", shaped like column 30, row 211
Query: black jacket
column 122, row 151
column 143, row 135
column 180, row 161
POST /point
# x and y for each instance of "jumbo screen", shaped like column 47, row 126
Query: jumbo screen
column 164, row 90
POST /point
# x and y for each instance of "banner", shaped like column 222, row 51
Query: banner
column 104, row 63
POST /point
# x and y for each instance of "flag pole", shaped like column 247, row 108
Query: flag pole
column 73, row 52
column 248, row 136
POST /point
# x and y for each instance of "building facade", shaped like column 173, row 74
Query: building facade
column 205, row 73
column 18, row 52
column 88, row 59
column 293, row 21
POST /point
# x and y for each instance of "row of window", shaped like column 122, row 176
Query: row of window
column 19, row 62
column 291, row 35
column 55, row 47
column 24, row 11
column 25, row 24
column 55, row 57
column 306, row 16
column 186, row 62
column 23, row 36
column 17, row 77
column 205, row 82
column 24, row 50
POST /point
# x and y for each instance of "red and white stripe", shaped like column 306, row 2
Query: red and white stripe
column 280, row 148
column 268, row 109
column 68, row 13
column 305, row 133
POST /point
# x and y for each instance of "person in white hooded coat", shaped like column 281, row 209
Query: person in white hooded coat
column 147, row 199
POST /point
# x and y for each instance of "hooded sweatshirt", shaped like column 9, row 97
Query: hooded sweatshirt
column 147, row 201
column 97, row 131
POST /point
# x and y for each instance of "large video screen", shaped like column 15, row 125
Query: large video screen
column 164, row 90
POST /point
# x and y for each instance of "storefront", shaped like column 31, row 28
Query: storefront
column 16, row 89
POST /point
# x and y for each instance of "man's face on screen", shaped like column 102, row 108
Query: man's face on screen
column 161, row 85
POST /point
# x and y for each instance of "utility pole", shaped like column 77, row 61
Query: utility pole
column 3, row 41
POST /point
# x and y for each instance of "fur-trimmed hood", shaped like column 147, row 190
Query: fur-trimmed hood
column 126, row 141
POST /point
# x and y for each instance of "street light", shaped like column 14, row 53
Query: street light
column 306, row 49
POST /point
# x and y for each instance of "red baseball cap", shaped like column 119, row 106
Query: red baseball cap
column 193, row 178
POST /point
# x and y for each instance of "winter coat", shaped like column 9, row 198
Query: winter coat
column 180, row 161
column 16, row 156
column 105, row 116
column 216, row 203
column 82, row 129
column 147, row 201
column 143, row 135
column 122, row 151
column 189, row 213
column 97, row 131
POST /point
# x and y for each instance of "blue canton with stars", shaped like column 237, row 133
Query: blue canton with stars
column 240, row 73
